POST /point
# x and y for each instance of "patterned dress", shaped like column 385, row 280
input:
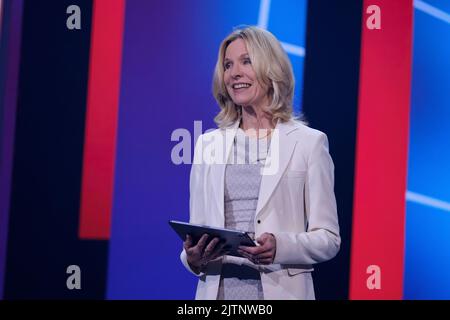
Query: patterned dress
column 242, row 183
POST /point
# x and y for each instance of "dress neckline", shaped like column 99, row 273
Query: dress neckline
column 241, row 132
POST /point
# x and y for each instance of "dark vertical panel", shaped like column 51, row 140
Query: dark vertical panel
column 47, row 159
column 9, row 75
column 4, row 30
column 330, row 105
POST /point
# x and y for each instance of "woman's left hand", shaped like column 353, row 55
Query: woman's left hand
column 262, row 254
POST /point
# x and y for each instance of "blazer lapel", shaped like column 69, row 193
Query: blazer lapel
column 280, row 152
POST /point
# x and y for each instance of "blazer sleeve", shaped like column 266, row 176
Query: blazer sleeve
column 321, row 241
column 196, row 195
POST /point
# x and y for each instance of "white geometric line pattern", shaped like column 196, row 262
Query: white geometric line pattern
column 263, row 18
column 293, row 49
column 263, row 22
column 427, row 201
column 432, row 11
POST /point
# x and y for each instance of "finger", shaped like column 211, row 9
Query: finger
column 210, row 247
column 262, row 239
column 245, row 255
column 263, row 249
column 265, row 255
column 246, row 249
column 265, row 239
column 254, row 250
column 188, row 242
column 202, row 242
column 213, row 244
column 218, row 251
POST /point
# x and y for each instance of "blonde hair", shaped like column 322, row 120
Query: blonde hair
column 273, row 72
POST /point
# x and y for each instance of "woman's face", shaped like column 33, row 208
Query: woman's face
column 240, row 78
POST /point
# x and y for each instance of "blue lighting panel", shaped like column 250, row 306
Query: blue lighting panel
column 427, row 256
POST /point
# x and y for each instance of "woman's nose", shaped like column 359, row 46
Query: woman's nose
column 235, row 71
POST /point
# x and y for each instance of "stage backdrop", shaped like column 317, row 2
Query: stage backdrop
column 87, row 116
column 169, row 53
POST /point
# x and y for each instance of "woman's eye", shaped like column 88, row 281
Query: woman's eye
column 247, row 61
column 227, row 65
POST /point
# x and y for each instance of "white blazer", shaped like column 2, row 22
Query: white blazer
column 296, row 203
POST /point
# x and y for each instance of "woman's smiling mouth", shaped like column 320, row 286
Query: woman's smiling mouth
column 240, row 85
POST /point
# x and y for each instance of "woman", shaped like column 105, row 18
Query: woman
column 282, row 192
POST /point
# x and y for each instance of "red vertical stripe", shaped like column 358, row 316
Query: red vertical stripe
column 101, row 119
column 381, row 157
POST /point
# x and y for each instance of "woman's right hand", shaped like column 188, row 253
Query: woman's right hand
column 200, row 254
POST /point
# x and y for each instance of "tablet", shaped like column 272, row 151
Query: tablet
column 232, row 238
